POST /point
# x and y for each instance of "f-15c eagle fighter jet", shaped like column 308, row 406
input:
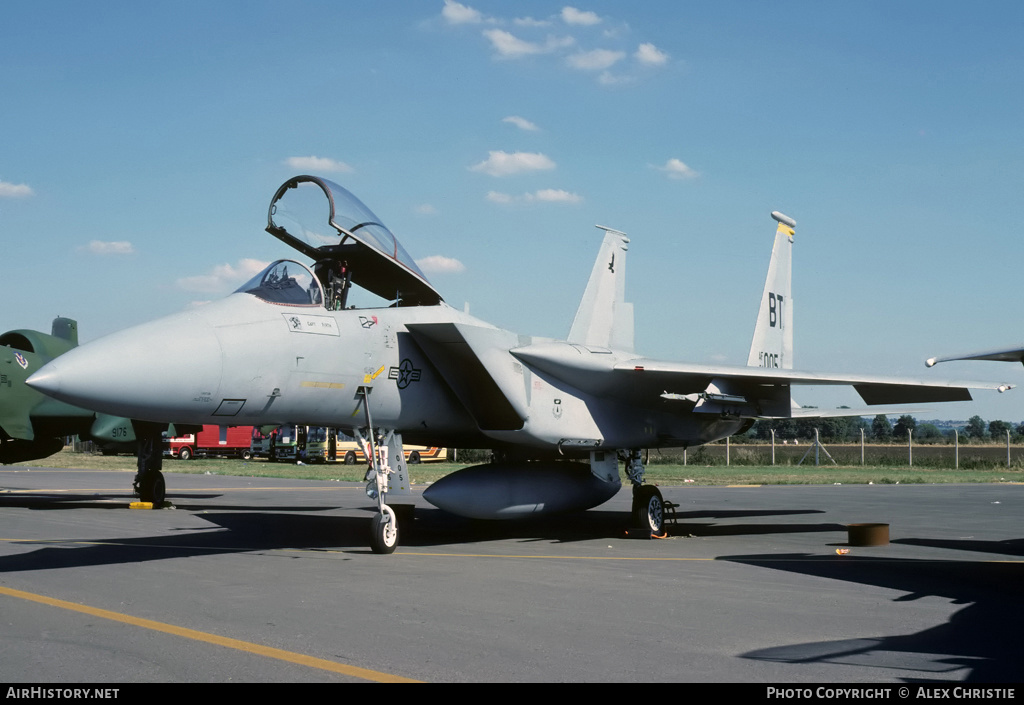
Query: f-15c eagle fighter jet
column 559, row 415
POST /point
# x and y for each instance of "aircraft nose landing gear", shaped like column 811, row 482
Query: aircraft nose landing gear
column 386, row 475
column 150, row 487
column 384, row 531
column 149, row 482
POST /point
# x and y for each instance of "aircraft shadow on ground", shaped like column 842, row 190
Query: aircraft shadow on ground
column 246, row 532
column 685, row 524
column 93, row 500
column 435, row 527
column 279, row 528
column 1010, row 547
column 983, row 637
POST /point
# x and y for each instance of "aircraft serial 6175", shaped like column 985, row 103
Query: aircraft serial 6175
column 287, row 347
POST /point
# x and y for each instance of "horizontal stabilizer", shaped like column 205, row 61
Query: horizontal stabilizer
column 909, row 394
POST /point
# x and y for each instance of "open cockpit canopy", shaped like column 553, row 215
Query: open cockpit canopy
column 346, row 240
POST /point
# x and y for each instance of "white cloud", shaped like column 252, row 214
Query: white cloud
column 503, row 163
column 9, row 190
column 457, row 13
column 317, row 164
column 547, row 195
column 675, row 169
column 99, row 247
column 551, row 195
column 223, row 276
column 649, row 54
column 607, row 78
column 521, row 123
column 530, row 22
column 426, row 209
column 510, row 46
column 570, row 15
column 525, row 41
column 439, row 264
column 595, row 60
column 498, row 197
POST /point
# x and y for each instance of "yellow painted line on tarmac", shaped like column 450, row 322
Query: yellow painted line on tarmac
column 237, row 644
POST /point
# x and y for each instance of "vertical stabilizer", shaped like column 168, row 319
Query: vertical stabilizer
column 66, row 329
column 604, row 318
column 773, row 333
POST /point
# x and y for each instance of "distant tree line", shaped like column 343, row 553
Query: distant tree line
column 847, row 429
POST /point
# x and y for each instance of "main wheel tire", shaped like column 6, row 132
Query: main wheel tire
column 153, row 488
column 185, row 453
column 649, row 509
column 384, row 533
column 350, row 458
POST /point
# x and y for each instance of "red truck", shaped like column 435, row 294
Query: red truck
column 233, row 442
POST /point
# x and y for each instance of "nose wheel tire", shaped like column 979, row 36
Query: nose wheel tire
column 152, row 488
column 649, row 509
column 384, row 532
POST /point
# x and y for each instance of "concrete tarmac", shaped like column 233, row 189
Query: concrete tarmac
column 266, row 580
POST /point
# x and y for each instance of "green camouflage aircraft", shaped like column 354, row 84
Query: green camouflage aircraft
column 33, row 425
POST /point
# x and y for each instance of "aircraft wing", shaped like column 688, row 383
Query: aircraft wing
column 754, row 383
column 1010, row 355
column 745, row 391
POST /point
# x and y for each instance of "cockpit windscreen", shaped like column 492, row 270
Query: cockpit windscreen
column 285, row 282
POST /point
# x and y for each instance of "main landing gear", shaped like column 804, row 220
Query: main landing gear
column 648, row 504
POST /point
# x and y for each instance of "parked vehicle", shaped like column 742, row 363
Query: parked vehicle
column 230, row 441
column 319, row 444
column 350, row 452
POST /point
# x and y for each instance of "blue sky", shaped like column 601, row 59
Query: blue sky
column 142, row 143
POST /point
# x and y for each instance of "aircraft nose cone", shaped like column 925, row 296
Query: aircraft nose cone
column 152, row 372
column 46, row 380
